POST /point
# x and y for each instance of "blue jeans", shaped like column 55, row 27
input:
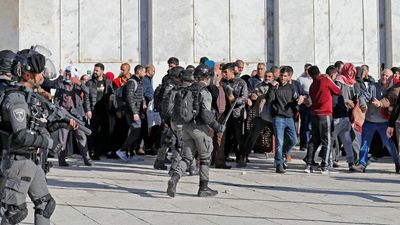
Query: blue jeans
column 282, row 126
column 305, row 126
column 368, row 131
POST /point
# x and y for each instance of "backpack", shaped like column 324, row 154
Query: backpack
column 166, row 101
column 157, row 97
column 186, row 104
column 119, row 95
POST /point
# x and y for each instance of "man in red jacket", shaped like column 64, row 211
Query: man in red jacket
column 321, row 91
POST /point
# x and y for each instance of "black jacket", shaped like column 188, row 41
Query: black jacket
column 133, row 94
column 92, row 97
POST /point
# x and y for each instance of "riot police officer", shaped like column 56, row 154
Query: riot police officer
column 195, row 134
column 22, row 175
column 6, row 58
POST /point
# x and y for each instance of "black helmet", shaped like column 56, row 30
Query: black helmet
column 187, row 75
column 176, row 71
column 28, row 60
column 202, row 71
column 6, row 59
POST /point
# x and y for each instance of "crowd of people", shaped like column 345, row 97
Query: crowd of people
column 212, row 114
column 338, row 111
column 204, row 115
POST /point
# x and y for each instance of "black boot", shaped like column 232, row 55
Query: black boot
column 397, row 165
column 159, row 165
column 88, row 162
column 205, row 191
column 171, row 190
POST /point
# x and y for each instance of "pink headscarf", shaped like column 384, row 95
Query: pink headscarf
column 345, row 76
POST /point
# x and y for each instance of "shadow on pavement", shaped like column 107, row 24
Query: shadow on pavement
column 220, row 215
column 368, row 196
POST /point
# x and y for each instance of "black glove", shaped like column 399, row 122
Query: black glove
column 56, row 148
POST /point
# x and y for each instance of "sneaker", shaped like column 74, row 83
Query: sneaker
column 353, row 168
column 122, row 155
column 88, row 163
column 136, row 158
column 309, row 169
column 64, row 164
column 229, row 159
column 280, row 169
column 328, row 170
column 324, row 170
column 285, row 166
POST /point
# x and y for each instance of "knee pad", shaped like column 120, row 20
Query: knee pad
column 49, row 205
column 16, row 214
column 206, row 161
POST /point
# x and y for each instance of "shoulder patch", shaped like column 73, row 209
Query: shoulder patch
column 19, row 114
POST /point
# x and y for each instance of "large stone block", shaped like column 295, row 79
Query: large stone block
column 248, row 30
column 346, row 31
column 100, row 26
column 294, row 33
column 9, row 25
column 39, row 25
column 322, row 32
column 211, row 29
column 171, row 31
column 393, row 32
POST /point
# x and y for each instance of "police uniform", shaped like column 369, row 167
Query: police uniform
column 197, row 139
column 6, row 58
column 167, row 137
column 22, row 175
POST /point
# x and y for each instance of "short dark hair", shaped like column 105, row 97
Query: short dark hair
column 290, row 70
column 99, row 65
column 138, row 67
column 395, row 69
column 203, row 60
column 173, row 60
column 313, row 71
column 190, row 67
column 229, row 66
column 307, row 65
column 338, row 64
column 286, row 69
column 273, row 68
column 331, row 70
column 366, row 66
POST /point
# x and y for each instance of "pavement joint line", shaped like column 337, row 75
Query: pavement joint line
column 233, row 207
column 143, row 220
column 82, row 213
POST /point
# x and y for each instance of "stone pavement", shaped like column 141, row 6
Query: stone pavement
column 115, row 192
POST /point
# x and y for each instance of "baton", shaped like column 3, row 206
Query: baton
column 229, row 113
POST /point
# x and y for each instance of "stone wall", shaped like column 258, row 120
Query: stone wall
column 283, row 32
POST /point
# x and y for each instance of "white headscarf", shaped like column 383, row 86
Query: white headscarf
column 73, row 69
